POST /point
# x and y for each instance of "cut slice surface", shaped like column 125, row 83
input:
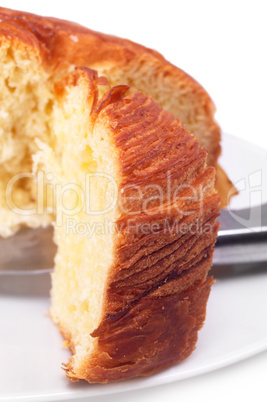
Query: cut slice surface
column 63, row 45
column 85, row 178
column 124, row 185
column 26, row 99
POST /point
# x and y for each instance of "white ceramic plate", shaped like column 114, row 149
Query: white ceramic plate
column 235, row 328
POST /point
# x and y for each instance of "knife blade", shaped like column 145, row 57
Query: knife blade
column 242, row 238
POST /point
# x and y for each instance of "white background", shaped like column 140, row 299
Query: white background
column 223, row 45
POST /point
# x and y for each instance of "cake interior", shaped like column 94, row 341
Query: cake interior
column 84, row 227
column 56, row 142
column 26, row 103
column 52, row 137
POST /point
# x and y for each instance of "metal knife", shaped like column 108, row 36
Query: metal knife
column 242, row 239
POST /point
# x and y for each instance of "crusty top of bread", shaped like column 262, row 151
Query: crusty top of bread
column 88, row 47
column 65, row 43
column 154, row 284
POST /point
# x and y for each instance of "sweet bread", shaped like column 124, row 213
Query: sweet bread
column 62, row 45
column 125, row 185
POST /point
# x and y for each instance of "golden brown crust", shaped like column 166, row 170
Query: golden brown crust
column 224, row 186
column 154, row 334
column 64, row 43
column 157, row 332
column 157, row 288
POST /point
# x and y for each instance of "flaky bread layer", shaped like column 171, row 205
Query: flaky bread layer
column 111, row 294
column 156, row 286
column 64, row 44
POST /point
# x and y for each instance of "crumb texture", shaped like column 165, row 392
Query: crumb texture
column 124, row 183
